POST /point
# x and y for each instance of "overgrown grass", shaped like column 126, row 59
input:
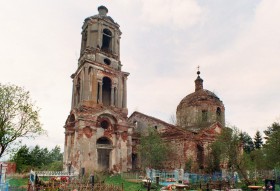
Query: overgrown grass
column 128, row 186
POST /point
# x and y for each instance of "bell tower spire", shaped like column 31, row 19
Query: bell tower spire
column 198, row 81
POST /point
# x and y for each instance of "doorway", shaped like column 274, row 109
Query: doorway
column 103, row 159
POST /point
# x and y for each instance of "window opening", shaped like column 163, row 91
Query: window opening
column 106, row 91
column 204, row 116
column 219, row 114
column 98, row 92
column 89, row 70
column 104, row 124
column 200, row 156
column 106, row 41
column 103, row 140
column 107, row 61
column 78, row 87
column 84, row 40
column 72, row 118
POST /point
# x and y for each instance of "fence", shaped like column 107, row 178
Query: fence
column 53, row 173
column 138, row 176
column 4, row 187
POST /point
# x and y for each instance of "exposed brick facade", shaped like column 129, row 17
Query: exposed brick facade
column 98, row 134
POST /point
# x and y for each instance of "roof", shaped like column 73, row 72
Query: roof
column 171, row 130
column 199, row 96
column 152, row 118
column 102, row 15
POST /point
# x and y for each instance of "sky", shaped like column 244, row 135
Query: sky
column 235, row 43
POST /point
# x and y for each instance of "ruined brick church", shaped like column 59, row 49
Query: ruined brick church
column 99, row 135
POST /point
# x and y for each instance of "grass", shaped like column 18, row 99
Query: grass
column 15, row 181
column 20, row 181
column 128, row 186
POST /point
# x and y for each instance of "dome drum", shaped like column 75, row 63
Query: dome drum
column 200, row 108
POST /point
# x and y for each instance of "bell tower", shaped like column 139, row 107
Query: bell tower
column 97, row 134
column 99, row 79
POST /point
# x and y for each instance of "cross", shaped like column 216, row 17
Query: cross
column 198, row 68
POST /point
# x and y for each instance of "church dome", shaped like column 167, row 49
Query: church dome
column 200, row 108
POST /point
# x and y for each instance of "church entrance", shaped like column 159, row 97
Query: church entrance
column 103, row 159
column 104, row 148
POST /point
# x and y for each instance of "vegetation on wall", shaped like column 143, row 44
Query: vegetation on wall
column 153, row 150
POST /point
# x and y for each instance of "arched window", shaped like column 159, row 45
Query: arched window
column 106, row 91
column 78, row 89
column 103, row 141
column 106, row 40
column 219, row 114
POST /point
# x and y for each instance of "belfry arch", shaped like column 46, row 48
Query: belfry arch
column 106, row 40
column 106, row 91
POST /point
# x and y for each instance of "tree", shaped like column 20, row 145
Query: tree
column 153, row 150
column 22, row 158
column 213, row 161
column 272, row 145
column 37, row 158
column 258, row 159
column 18, row 117
column 228, row 144
column 258, row 142
column 55, row 154
column 247, row 142
column 227, row 150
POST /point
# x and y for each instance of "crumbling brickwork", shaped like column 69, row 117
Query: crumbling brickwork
column 98, row 134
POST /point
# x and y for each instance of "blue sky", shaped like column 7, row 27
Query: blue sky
column 235, row 43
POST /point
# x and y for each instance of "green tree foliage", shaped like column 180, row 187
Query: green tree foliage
column 22, row 158
column 153, row 150
column 227, row 151
column 258, row 159
column 272, row 145
column 37, row 158
column 18, row 117
column 214, row 159
column 247, row 142
column 258, row 142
